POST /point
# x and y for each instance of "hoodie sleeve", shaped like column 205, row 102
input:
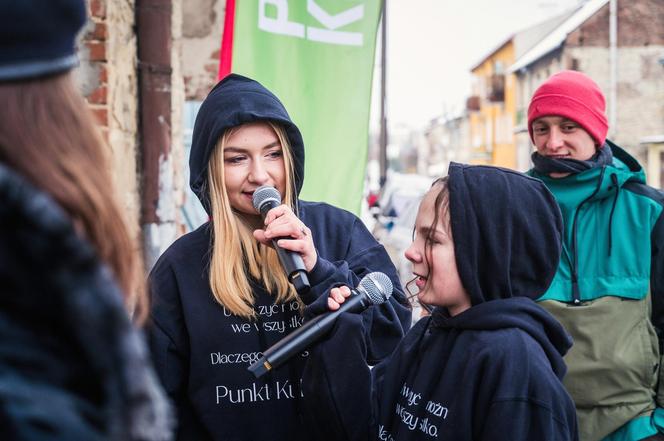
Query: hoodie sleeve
column 337, row 385
column 385, row 325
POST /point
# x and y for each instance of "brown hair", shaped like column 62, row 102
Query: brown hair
column 48, row 135
column 441, row 211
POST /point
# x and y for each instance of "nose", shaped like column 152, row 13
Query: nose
column 258, row 173
column 555, row 139
column 413, row 254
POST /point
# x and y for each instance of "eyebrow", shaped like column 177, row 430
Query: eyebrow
column 426, row 230
column 241, row 150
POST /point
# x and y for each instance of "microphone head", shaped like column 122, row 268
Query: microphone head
column 377, row 287
column 264, row 194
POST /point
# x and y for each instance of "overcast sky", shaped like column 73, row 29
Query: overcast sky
column 432, row 44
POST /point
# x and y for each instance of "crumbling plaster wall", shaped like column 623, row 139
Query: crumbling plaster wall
column 202, row 27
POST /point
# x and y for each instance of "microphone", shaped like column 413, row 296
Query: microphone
column 266, row 198
column 374, row 289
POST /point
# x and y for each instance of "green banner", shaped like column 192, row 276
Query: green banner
column 317, row 56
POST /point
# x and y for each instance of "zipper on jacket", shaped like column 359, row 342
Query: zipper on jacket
column 614, row 180
column 576, row 295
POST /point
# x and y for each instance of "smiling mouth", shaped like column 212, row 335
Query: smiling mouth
column 420, row 281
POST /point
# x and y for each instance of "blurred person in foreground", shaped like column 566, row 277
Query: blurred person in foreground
column 609, row 286
column 72, row 366
column 487, row 364
column 220, row 296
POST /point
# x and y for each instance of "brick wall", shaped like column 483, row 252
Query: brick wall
column 639, row 24
column 108, row 78
column 94, row 63
column 640, row 75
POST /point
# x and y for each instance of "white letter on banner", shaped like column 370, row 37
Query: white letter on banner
column 279, row 25
column 332, row 22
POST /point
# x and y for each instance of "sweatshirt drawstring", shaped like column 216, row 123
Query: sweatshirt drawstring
column 614, row 180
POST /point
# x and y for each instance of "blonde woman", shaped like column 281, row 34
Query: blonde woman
column 220, row 295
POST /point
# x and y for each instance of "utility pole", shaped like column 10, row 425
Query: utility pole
column 382, row 154
column 613, row 61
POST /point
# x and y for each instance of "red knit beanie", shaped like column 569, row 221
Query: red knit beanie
column 572, row 95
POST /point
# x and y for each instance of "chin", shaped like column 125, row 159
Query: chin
column 425, row 299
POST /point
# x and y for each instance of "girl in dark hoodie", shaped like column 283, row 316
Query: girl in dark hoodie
column 220, row 296
column 487, row 364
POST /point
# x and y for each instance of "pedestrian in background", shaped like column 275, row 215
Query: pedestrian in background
column 609, row 285
column 488, row 363
column 72, row 366
column 220, row 296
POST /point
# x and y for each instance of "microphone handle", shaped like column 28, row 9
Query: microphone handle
column 300, row 339
column 293, row 266
column 291, row 261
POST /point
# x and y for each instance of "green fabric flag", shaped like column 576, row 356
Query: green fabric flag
column 317, row 56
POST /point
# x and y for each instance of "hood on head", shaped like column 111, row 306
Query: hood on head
column 237, row 100
column 507, row 231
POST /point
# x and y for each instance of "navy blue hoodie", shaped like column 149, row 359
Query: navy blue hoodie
column 201, row 351
column 492, row 372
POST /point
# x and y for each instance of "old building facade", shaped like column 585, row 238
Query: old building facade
column 631, row 75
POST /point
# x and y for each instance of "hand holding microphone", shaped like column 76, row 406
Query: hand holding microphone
column 375, row 288
column 288, row 235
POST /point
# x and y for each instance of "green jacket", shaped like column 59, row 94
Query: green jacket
column 612, row 263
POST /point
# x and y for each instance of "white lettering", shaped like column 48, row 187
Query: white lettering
column 436, row 409
column 408, row 418
column 242, row 327
column 383, row 434
column 296, row 322
column 256, row 392
column 282, row 392
column 280, row 24
column 428, row 428
column 269, row 310
column 332, row 22
column 275, row 326
column 410, row 395
column 246, row 395
column 241, row 357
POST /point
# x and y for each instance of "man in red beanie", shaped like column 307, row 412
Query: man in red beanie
column 608, row 289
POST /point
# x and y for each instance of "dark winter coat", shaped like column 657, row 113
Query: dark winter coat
column 72, row 367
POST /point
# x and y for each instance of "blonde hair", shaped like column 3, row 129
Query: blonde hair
column 236, row 255
column 48, row 135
